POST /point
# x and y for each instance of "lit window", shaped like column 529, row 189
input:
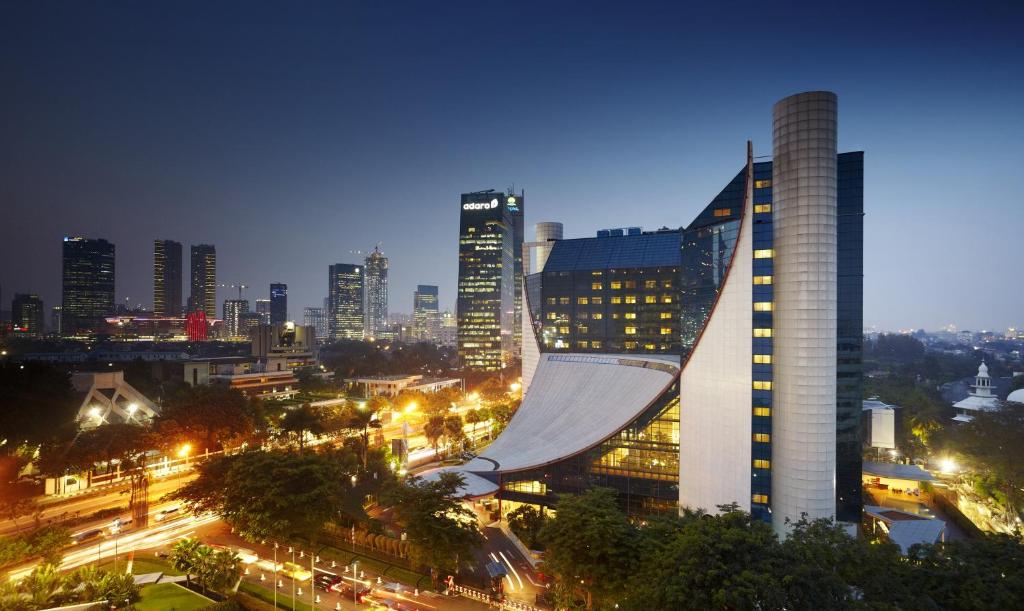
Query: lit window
column 666, row 298
column 762, row 332
column 761, row 499
column 667, row 284
column 763, row 359
column 762, row 437
column 583, row 344
column 650, row 284
column 615, row 316
column 719, row 212
column 552, row 315
column 760, row 463
column 762, row 279
column 595, row 344
column 762, row 385
column 563, row 300
column 650, row 299
column 563, row 330
column 582, row 300
column 596, row 273
column 551, row 301
column 616, row 284
column 762, row 184
column 765, row 253
column 630, row 315
column 597, row 316
column 596, row 286
column 597, row 300
column 631, row 345
column 583, row 329
column 762, row 306
column 762, row 411
column 616, row 299
column 630, row 330
column 666, row 330
column 630, row 298
column 762, row 207
column 666, row 315
column 648, row 346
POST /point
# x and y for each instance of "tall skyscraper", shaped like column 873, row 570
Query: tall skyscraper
column 167, row 278
column 376, row 278
column 316, row 318
column 345, row 292
column 27, row 315
column 426, row 319
column 56, row 317
column 233, row 311
column 515, row 206
column 263, row 310
column 88, row 283
column 204, row 280
column 485, row 303
column 278, row 303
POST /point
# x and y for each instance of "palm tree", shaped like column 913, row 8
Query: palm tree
column 224, row 571
column 11, row 597
column 362, row 420
column 88, row 579
column 44, row 586
column 184, row 556
column 116, row 588
column 434, row 430
column 453, row 429
column 204, row 568
column 301, row 420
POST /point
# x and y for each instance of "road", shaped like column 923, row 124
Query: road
column 521, row 582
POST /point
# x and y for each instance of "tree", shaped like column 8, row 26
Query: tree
column 273, row 494
column 443, row 532
column 185, row 557
column 991, row 446
column 433, row 429
column 453, row 430
column 361, row 420
column 590, row 549
column 45, row 586
column 37, row 404
column 527, row 522
column 302, row 420
column 474, row 417
column 208, row 417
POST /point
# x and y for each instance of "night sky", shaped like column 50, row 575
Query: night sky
column 292, row 135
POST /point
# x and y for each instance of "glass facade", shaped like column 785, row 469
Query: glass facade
column 426, row 319
column 167, row 278
column 485, row 302
column 88, row 284
column 278, row 303
column 515, row 205
column 376, row 293
column 761, row 344
column 345, row 301
column 204, row 280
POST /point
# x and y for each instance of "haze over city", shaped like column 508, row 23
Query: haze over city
column 291, row 139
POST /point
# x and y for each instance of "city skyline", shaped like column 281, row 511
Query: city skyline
column 593, row 152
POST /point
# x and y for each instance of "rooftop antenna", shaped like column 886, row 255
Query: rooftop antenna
column 238, row 286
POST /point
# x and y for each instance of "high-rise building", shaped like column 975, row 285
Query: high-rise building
column 426, row 320
column 708, row 366
column 204, row 280
column 317, row 319
column 56, row 316
column 167, row 278
column 278, row 303
column 233, row 311
column 448, row 331
column 515, row 206
column 27, row 315
column 263, row 310
column 88, row 284
column 535, row 253
column 485, row 303
column 345, row 292
column 376, row 284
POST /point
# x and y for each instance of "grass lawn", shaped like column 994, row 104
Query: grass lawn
column 170, row 597
column 144, row 563
column 284, row 600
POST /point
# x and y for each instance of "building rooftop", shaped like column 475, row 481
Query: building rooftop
column 897, row 471
column 659, row 249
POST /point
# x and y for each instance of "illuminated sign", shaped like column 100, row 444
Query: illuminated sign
column 491, row 205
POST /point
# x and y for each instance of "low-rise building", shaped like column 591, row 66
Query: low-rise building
column 390, row 386
column 106, row 397
column 264, row 379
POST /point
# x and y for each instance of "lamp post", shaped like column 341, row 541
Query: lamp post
column 355, row 582
column 275, row 574
column 183, row 454
column 292, row 550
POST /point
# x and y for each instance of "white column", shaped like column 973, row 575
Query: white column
column 804, row 386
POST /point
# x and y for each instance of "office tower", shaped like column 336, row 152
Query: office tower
column 204, row 280
column 27, row 315
column 535, row 253
column 247, row 322
column 278, row 303
column 448, row 331
column 317, row 319
column 263, row 310
column 56, row 314
column 376, row 285
column 749, row 400
column 425, row 317
column 88, row 284
column 485, row 302
column 515, row 206
column 167, row 278
column 345, row 292
column 233, row 310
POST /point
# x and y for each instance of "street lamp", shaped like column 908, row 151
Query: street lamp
column 275, row 574
column 183, row 454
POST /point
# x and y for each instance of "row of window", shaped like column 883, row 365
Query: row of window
column 630, row 284
column 629, row 299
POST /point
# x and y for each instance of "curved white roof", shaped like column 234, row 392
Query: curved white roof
column 575, row 402
column 1016, row 396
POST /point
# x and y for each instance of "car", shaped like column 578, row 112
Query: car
column 119, row 524
column 87, row 535
column 164, row 514
column 296, row 572
column 246, row 556
column 325, row 581
column 347, row 590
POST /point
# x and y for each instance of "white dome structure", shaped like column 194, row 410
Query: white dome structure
column 980, row 399
column 1016, row 396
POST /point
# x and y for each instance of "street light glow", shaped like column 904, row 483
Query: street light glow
column 410, row 408
column 948, row 465
column 184, row 450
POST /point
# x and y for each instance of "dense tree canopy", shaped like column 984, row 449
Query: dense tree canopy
column 207, row 417
column 992, row 445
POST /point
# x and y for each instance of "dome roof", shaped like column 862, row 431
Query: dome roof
column 983, row 370
column 1016, row 396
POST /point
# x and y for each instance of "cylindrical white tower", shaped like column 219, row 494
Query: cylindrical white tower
column 804, row 361
column 545, row 233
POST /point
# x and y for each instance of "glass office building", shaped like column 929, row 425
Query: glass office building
column 278, row 303
column 204, row 280
column 376, row 279
column 87, row 283
column 167, row 278
column 345, row 301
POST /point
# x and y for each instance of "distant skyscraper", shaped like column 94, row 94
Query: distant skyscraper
column 425, row 318
column 56, row 314
column 167, row 278
column 233, row 311
column 376, row 278
column 486, row 304
column 316, row 318
column 88, row 283
column 278, row 303
column 263, row 310
column 345, row 290
column 515, row 207
column 27, row 315
column 204, row 280
column 195, row 326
